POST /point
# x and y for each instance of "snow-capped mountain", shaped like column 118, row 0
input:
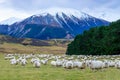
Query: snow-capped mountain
column 10, row 21
column 54, row 23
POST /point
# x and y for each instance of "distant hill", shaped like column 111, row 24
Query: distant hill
column 104, row 40
column 33, row 42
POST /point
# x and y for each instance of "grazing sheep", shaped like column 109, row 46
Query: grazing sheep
column 111, row 64
column 23, row 62
column 36, row 64
column 69, row 65
column 58, row 63
column 35, row 59
column 81, row 65
column 105, row 64
column 64, row 63
column 117, row 65
column 9, row 57
column 53, row 63
column 96, row 64
column 13, row 61
column 44, row 61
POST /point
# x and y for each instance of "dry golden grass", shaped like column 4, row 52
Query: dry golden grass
column 18, row 48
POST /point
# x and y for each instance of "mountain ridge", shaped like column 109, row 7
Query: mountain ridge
column 66, row 21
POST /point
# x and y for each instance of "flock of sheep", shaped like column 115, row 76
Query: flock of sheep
column 65, row 61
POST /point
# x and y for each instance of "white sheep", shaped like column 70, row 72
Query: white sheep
column 14, row 61
column 81, row 65
column 53, row 63
column 35, row 59
column 58, row 63
column 111, row 64
column 44, row 61
column 105, row 64
column 23, row 62
column 37, row 64
column 69, row 65
column 96, row 64
column 117, row 65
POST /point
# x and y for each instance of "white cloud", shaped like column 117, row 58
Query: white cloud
column 109, row 9
column 7, row 13
column 2, row 1
column 103, row 13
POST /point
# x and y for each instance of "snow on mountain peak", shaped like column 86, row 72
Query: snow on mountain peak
column 67, row 11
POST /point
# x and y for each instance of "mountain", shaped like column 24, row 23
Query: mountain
column 4, row 29
column 54, row 23
column 10, row 21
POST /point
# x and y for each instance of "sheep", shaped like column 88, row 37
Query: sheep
column 8, row 57
column 53, row 63
column 105, row 64
column 69, row 65
column 96, row 64
column 58, row 63
column 44, row 61
column 13, row 61
column 37, row 64
column 81, row 65
column 111, row 64
column 32, row 60
column 117, row 65
column 35, row 59
column 75, row 63
column 23, row 62
column 64, row 63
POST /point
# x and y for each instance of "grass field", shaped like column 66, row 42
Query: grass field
column 48, row 72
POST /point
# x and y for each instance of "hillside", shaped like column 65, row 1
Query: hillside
column 26, row 45
column 104, row 40
column 33, row 42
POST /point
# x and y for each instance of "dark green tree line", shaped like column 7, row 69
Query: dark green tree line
column 104, row 40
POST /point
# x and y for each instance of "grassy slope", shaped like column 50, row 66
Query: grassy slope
column 15, row 45
column 47, row 72
column 18, row 48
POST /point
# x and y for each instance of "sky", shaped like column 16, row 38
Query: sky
column 105, row 9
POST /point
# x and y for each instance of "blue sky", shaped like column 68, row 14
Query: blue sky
column 107, row 9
